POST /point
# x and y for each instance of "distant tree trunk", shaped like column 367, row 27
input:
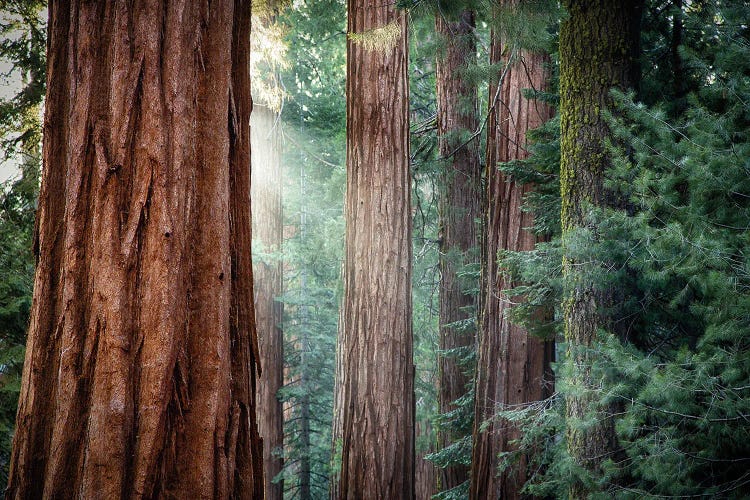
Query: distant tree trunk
column 139, row 375
column 303, row 401
column 425, row 472
column 376, row 330
column 267, row 274
column 459, row 208
column 513, row 366
column 337, row 424
column 598, row 45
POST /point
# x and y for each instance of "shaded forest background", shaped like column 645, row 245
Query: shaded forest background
column 674, row 363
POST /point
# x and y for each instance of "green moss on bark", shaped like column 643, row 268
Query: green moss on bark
column 597, row 48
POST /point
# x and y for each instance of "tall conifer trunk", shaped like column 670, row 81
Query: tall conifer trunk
column 377, row 452
column 598, row 45
column 267, row 274
column 139, row 375
column 459, row 208
column 512, row 368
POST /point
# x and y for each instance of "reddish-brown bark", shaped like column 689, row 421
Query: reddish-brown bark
column 140, row 367
column 512, row 365
column 459, row 208
column 267, row 275
column 377, row 459
column 425, row 472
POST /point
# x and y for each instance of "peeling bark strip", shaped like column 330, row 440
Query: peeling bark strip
column 512, row 367
column 376, row 333
column 268, row 231
column 140, row 365
column 459, row 208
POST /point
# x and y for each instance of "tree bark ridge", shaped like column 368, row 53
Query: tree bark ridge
column 143, row 290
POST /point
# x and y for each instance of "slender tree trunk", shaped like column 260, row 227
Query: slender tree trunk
column 425, row 472
column 140, row 366
column 513, row 366
column 304, row 348
column 337, row 424
column 376, row 334
column 267, row 274
column 459, row 208
column 598, row 44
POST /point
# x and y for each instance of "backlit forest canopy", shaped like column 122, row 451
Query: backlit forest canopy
column 358, row 249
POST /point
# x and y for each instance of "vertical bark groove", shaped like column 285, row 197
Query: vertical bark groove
column 376, row 331
column 140, row 310
column 459, row 208
column 512, row 368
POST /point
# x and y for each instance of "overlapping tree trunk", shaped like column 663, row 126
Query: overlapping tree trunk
column 139, row 376
column 459, row 208
column 377, row 452
column 512, row 366
column 267, row 274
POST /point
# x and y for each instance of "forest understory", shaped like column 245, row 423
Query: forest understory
column 422, row 249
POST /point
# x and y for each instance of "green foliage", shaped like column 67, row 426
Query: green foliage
column 23, row 39
column 22, row 46
column 16, row 278
column 314, row 181
column 528, row 25
column 678, row 372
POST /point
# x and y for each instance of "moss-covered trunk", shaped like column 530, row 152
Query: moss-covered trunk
column 598, row 44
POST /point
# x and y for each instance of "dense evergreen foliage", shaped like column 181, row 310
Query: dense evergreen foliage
column 676, row 365
column 676, row 252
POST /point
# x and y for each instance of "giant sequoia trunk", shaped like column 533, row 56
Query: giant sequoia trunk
column 140, row 366
column 512, row 368
column 459, row 208
column 598, row 45
column 267, row 274
column 377, row 452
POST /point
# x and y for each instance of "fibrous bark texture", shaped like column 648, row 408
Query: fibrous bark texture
column 377, row 459
column 425, row 472
column 598, row 45
column 459, row 208
column 140, row 365
column 267, row 283
column 513, row 366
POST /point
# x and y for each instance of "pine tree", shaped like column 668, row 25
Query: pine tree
column 598, row 44
column 314, row 122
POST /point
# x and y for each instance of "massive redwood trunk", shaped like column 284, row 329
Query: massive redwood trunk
column 377, row 458
column 267, row 274
column 459, row 208
column 140, row 366
column 512, row 365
